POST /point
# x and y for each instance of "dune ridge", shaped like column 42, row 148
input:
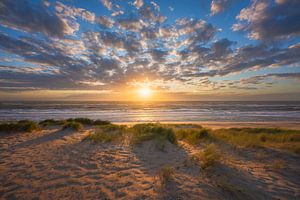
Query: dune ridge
column 62, row 164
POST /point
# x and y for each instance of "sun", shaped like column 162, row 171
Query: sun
column 145, row 92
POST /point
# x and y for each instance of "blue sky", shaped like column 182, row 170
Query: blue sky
column 107, row 49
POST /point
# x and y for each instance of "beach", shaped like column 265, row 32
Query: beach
column 294, row 125
column 56, row 163
column 149, row 100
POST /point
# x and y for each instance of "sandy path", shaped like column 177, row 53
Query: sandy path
column 59, row 165
column 56, row 164
column 252, row 174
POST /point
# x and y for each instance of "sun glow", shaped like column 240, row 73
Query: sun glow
column 145, row 92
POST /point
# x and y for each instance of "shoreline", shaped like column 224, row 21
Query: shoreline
column 293, row 125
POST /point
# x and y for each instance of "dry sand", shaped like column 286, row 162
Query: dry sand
column 55, row 164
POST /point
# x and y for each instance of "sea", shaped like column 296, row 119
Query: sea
column 175, row 111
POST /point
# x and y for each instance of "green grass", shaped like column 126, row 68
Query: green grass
column 111, row 127
column 208, row 157
column 107, row 133
column 153, row 131
column 52, row 122
column 87, row 121
column 76, row 126
column 100, row 122
column 84, row 121
column 184, row 126
column 20, row 126
column 192, row 135
column 244, row 137
column 100, row 136
column 259, row 137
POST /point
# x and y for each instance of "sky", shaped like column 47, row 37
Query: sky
column 179, row 50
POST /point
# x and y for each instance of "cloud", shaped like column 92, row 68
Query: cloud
column 218, row 6
column 171, row 8
column 155, row 5
column 24, row 80
column 131, row 24
column 269, row 79
column 199, row 30
column 259, row 56
column 137, row 45
column 108, row 4
column 147, row 12
column 222, row 47
column 105, row 21
column 138, row 3
column 116, row 13
column 158, row 55
column 267, row 20
column 24, row 16
column 72, row 12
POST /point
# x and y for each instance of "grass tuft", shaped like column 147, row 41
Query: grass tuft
column 51, row 122
column 107, row 133
column 166, row 174
column 102, row 137
column 20, row 126
column 151, row 131
column 84, row 121
column 208, row 157
column 89, row 122
column 100, row 122
column 76, row 126
column 260, row 137
column 192, row 136
column 111, row 127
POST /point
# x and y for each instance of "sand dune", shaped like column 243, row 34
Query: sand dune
column 55, row 164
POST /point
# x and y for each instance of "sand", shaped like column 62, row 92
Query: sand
column 293, row 125
column 55, row 164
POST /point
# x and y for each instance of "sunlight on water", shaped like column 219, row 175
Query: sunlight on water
column 154, row 111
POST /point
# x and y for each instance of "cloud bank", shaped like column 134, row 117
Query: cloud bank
column 137, row 41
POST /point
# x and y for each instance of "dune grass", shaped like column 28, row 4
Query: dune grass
column 100, row 136
column 88, row 122
column 101, row 122
column 52, row 122
column 68, row 122
column 166, row 174
column 20, row 126
column 76, row 126
column 107, row 133
column 153, row 131
column 259, row 137
column 111, row 127
column 183, row 126
column 192, row 135
column 160, row 133
column 242, row 137
column 83, row 121
column 208, row 156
